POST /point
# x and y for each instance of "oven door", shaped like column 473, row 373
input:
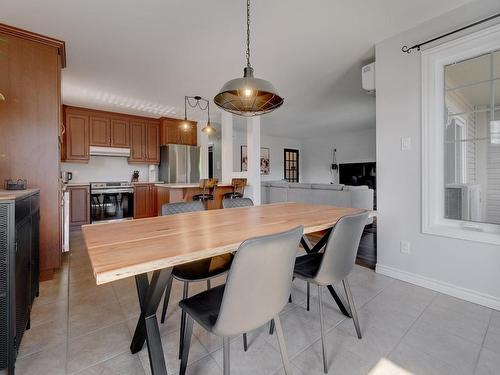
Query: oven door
column 111, row 205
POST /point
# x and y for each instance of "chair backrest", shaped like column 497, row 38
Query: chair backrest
column 236, row 202
column 259, row 282
column 181, row 207
column 341, row 249
column 239, row 185
column 211, row 183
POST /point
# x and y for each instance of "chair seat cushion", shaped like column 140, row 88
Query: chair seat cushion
column 203, row 269
column 307, row 266
column 204, row 307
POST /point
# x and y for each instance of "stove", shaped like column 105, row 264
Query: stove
column 111, row 201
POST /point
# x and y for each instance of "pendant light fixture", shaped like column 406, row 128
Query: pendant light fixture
column 201, row 103
column 248, row 96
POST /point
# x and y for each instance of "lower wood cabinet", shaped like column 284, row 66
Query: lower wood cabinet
column 79, row 205
column 145, row 200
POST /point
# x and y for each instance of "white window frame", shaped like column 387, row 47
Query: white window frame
column 433, row 61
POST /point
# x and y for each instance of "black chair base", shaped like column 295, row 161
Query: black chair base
column 233, row 195
column 203, row 197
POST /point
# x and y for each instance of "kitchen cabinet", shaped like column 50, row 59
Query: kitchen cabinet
column 79, row 205
column 145, row 200
column 173, row 133
column 76, row 137
column 152, row 143
column 100, row 131
column 144, row 142
column 120, row 133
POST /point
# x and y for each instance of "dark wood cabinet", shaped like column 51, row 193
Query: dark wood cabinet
column 100, row 131
column 120, row 133
column 172, row 132
column 152, row 143
column 145, row 200
column 79, row 205
column 76, row 137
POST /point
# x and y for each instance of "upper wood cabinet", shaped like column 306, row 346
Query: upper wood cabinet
column 120, row 133
column 88, row 127
column 137, row 142
column 171, row 132
column 100, row 131
column 76, row 137
column 152, row 143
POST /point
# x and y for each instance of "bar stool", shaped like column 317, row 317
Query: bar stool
column 201, row 270
column 208, row 186
column 334, row 265
column 257, row 288
column 238, row 188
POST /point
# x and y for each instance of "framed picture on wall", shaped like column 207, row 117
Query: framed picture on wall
column 265, row 162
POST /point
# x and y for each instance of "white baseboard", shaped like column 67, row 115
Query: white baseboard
column 440, row 286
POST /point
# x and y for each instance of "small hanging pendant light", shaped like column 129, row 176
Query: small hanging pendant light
column 248, row 96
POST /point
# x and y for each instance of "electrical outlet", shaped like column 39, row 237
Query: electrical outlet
column 405, row 247
column 405, row 143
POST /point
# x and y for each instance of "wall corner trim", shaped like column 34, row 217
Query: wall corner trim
column 440, row 286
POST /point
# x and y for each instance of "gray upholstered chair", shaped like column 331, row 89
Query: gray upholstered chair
column 334, row 265
column 200, row 270
column 250, row 298
column 236, row 202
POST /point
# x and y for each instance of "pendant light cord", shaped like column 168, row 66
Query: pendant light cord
column 248, row 34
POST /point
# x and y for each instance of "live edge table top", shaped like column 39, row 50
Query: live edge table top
column 128, row 248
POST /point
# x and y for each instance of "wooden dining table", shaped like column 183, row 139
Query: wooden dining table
column 155, row 245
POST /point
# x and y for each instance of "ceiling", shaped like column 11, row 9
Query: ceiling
column 144, row 56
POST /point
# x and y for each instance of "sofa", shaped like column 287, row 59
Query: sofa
column 328, row 194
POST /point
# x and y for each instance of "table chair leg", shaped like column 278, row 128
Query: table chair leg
column 166, row 299
column 281, row 342
column 271, row 327
column 352, row 307
column 185, row 294
column 322, row 325
column 225, row 353
column 187, row 344
column 150, row 293
column 245, row 342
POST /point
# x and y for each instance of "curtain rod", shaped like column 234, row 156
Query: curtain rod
column 408, row 50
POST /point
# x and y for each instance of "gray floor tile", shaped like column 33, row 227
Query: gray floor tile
column 489, row 363
column 101, row 345
column 43, row 337
column 49, row 361
column 414, row 361
column 492, row 340
column 441, row 344
column 123, row 364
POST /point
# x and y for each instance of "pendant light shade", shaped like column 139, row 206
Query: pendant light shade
column 248, row 96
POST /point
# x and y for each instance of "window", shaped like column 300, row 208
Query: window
column 461, row 137
column 291, row 165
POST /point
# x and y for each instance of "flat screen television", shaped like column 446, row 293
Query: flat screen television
column 357, row 174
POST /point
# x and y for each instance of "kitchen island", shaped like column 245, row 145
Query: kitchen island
column 182, row 192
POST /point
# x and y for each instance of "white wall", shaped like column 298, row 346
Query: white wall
column 276, row 154
column 462, row 268
column 105, row 168
column 352, row 147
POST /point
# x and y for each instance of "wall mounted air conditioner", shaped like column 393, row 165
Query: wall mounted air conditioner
column 463, row 202
column 368, row 77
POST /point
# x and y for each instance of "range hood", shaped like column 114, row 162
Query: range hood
column 109, row 151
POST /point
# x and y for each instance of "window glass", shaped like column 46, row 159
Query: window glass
column 472, row 140
column 467, row 72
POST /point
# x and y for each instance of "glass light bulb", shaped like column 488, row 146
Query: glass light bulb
column 248, row 92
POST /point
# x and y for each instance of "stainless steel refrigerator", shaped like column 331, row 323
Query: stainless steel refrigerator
column 179, row 164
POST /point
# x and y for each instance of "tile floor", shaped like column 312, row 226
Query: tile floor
column 79, row 328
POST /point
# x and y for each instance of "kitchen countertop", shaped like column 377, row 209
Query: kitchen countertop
column 187, row 186
column 15, row 194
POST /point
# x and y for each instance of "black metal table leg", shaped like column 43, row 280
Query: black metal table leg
column 150, row 293
column 311, row 250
